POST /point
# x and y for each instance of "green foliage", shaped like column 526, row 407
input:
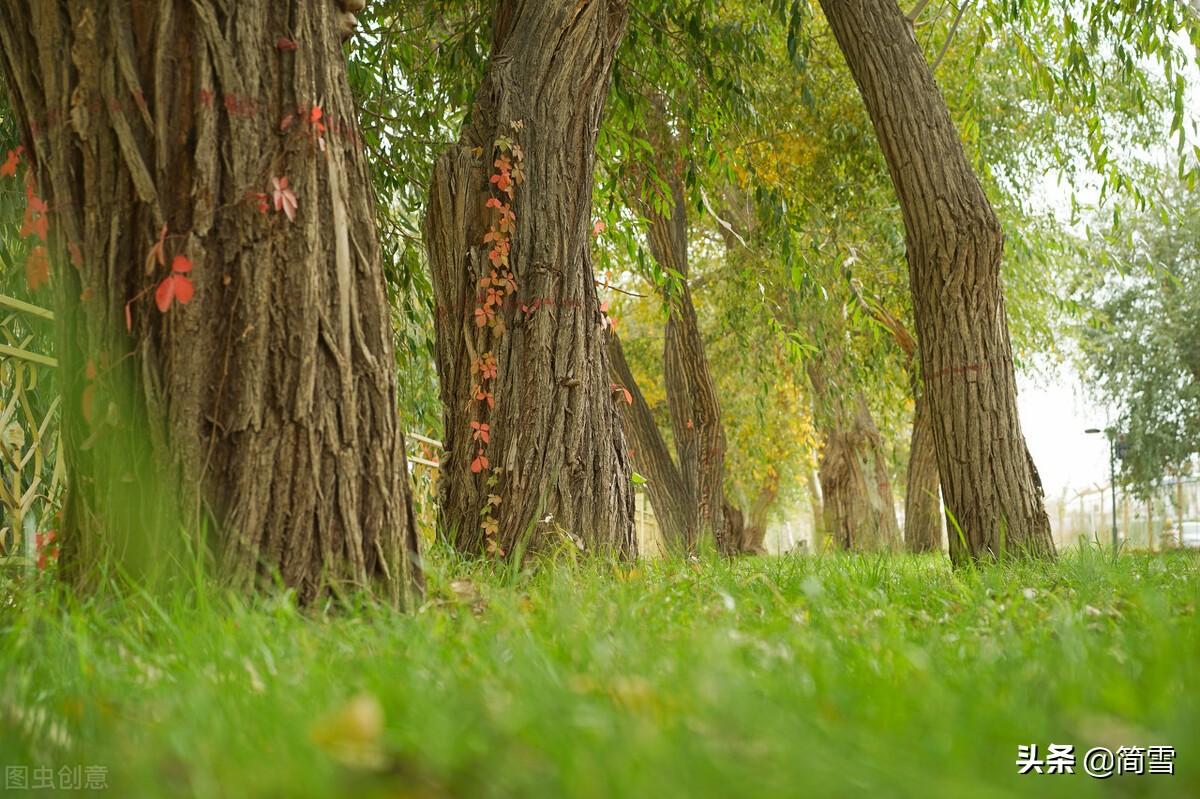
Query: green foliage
column 1141, row 344
column 832, row 676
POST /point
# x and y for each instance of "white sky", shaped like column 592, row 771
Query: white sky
column 1053, row 418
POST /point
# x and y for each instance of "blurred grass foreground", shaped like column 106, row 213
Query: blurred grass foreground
column 790, row 676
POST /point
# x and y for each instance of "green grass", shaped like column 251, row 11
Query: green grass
column 832, row 676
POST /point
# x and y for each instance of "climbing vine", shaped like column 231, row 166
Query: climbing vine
column 493, row 288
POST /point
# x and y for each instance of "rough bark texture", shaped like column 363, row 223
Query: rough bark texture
column 266, row 407
column 858, row 510
column 922, row 501
column 651, row 457
column 557, row 459
column 691, row 394
column 955, row 246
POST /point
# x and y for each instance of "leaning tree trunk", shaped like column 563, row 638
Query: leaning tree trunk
column 955, row 244
column 856, row 491
column 532, row 431
column 650, row 455
column 265, row 407
column 691, row 393
column 923, row 501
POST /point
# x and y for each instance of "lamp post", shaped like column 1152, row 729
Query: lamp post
column 1112, row 476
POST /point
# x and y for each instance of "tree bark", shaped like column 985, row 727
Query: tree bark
column 650, row 455
column 856, row 491
column 554, row 464
column 691, row 394
column 922, row 501
column 955, row 245
column 265, row 408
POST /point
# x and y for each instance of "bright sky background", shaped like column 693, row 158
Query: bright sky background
column 1053, row 418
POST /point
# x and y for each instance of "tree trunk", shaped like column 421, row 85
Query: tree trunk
column 922, row 501
column 691, row 393
column 650, row 455
column 858, row 507
column 816, row 506
column 754, row 532
column 856, row 491
column 520, row 340
column 264, row 408
column 955, row 246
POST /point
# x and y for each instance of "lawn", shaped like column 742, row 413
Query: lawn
column 793, row 676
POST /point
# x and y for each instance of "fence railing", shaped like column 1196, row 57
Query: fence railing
column 31, row 463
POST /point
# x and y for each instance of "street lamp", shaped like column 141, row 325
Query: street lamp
column 1112, row 475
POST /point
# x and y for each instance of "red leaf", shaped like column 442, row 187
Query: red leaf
column 628, row 396
column 10, row 166
column 37, row 268
column 183, row 289
column 285, row 200
column 174, row 287
column 76, row 255
column 480, row 463
column 164, row 295
column 34, row 224
column 284, row 43
column 181, row 264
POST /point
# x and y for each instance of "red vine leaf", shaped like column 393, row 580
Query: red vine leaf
column 286, row 44
column 285, row 200
column 481, row 431
column 175, row 286
column 172, row 288
column 480, row 463
column 10, row 166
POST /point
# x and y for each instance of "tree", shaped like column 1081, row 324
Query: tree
column 922, row 497
column 955, row 245
column 224, row 337
column 532, row 432
column 1139, row 349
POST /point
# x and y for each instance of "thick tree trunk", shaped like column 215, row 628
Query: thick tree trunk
column 691, row 394
column 508, row 231
column 922, row 502
column 264, row 408
column 955, row 246
column 650, row 455
column 856, row 491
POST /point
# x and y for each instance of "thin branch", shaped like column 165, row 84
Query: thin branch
column 623, row 291
column 916, row 12
column 950, row 36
